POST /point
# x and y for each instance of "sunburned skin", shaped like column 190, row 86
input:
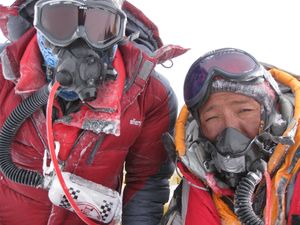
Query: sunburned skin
column 227, row 109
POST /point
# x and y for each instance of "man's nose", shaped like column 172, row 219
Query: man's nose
column 231, row 120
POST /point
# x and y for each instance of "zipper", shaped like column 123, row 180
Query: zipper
column 97, row 145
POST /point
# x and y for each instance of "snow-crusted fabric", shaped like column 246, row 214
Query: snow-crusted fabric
column 99, row 158
column 262, row 92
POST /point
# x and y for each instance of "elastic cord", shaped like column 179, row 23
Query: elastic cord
column 54, row 159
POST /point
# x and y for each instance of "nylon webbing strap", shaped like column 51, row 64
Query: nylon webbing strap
column 146, row 69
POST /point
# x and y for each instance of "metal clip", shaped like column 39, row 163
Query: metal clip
column 48, row 171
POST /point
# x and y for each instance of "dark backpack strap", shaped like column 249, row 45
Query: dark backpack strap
column 3, row 46
column 174, row 206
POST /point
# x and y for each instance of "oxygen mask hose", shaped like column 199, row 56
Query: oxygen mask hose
column 54, row 159
column 244, row 193
column 9, row 130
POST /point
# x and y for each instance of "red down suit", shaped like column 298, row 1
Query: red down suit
column 149, row 108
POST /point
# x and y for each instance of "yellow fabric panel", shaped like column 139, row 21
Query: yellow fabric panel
column 180, row 131
column 226, row 214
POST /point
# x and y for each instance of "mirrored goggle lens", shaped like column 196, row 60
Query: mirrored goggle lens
column 230, row 64
column 101, row 25
column 60, row 20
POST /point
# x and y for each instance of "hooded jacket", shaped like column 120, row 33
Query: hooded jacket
column 148, row 109
column 203, row 199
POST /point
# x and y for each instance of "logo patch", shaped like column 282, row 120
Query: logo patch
column 135, row 122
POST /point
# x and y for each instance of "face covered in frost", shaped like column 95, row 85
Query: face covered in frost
column 226, row 109
column 232, row 97
column 230, row 122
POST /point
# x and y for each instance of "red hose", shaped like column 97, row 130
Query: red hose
column 268, row 198
column 54, row 159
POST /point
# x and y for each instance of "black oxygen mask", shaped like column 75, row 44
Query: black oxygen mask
column 81, row 69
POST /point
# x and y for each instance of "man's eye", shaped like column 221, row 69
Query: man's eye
column 211, row 118
column 245, row 110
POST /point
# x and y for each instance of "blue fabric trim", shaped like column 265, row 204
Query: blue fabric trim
column 49, row 58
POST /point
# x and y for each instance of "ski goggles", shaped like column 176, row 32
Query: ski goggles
column 101, row 23
column 227, row 63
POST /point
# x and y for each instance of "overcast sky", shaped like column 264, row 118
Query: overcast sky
column 268, row 29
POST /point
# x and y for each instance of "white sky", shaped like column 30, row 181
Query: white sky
column 268, row 29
